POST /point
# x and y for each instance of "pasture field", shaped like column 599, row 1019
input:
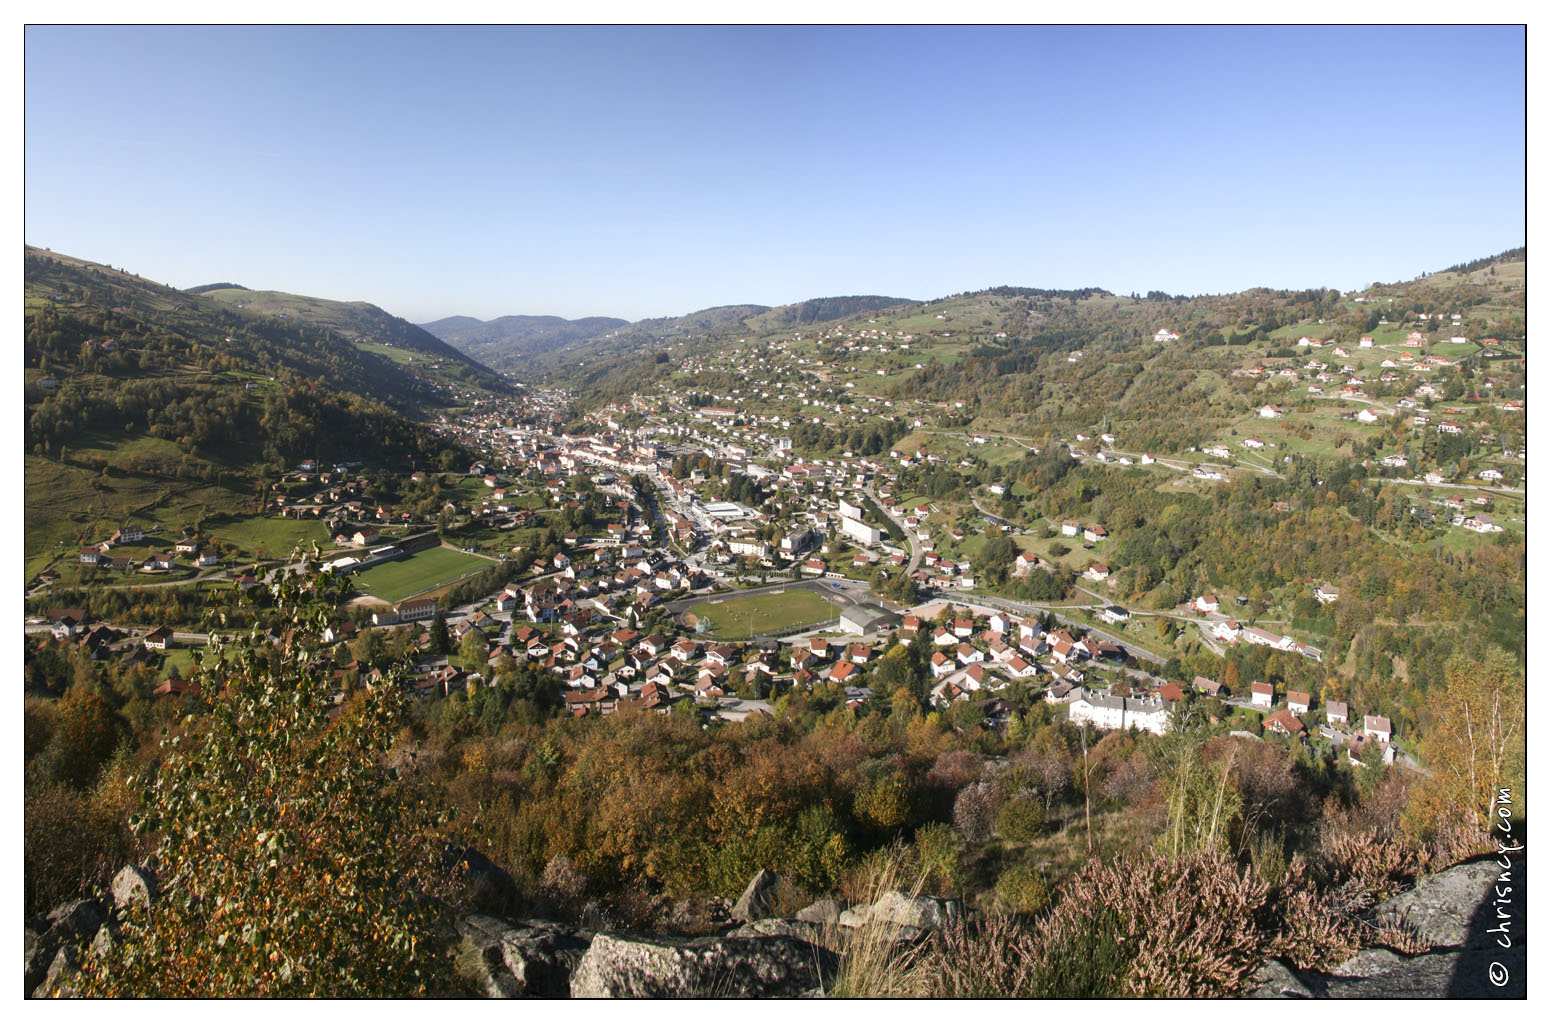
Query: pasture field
column 420, row 572
column 266, row 536
column 400, row 356
column 732, row 618
column 68, row 505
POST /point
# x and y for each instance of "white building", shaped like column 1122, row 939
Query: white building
column 1104, row 711
column 751, row 547
column 860, row 531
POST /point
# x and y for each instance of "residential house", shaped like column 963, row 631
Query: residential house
column 1378, row 727
column 1284, row 723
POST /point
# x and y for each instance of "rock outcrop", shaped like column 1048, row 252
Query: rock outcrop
column 756, row 901
column 763, row 956
column 132, row 887
column 729, row 966
column 923, row 913
column 51, row 953
column 822, row 912
column 530, row 959
column 1439, row 910
column 1456, row 914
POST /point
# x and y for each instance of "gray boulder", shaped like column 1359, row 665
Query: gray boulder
column 67, row 926
column 74, row 921
column 1457, row 974
column 1441, row 907
column 59, row 982
column 618, row 966
column 526, row 959
column 38, row 956
column 1457, row 913
column 919, row 913
column 1277, row 980
column 757, row 899
column 803, row 931
column 822, row 912
column 133, row 887
column 103, row 942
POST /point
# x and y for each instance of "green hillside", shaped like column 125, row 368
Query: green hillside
column 370, row 328
column 167, row 408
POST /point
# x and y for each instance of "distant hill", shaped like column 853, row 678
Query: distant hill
column 821, row 310
column 546, row 345
column 506, row 342
column 359, row 322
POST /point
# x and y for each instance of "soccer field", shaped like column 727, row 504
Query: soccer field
column 733, row 617
column 426, row 570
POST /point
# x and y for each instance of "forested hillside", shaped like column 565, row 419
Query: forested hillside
column 365, row 325
column 188, row 403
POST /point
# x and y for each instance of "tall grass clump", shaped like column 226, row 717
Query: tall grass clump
column 877, row 960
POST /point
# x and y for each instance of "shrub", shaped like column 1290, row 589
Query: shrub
column 937, row 857
column 949, row 774
column 975, row 809
column 1316, row 928
column 1021, row 819
column 888, row 803
column 1182, row 928
column 561, row 884
column 74, row 842
column 1021, row 890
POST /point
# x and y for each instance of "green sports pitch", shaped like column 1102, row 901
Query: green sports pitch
column 425, row 570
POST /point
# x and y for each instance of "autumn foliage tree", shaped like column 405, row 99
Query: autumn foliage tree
column 293, row 860
column 1475, row 748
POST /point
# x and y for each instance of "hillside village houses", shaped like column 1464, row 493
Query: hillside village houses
column 578, row 617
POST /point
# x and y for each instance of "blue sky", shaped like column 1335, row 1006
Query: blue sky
column 653, row 171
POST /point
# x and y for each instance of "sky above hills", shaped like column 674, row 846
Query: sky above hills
column 639, row 172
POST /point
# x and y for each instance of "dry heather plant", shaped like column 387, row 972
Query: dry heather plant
column 1315, row 928
column 1183, row 928
column 974, row 810
column 995, row 958
column 1383, row 864
column 1454, row 841
column 1401, row 940
column 1197, row 928
column 561, row 884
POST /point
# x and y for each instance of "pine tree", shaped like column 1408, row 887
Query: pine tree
column 441, row 643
